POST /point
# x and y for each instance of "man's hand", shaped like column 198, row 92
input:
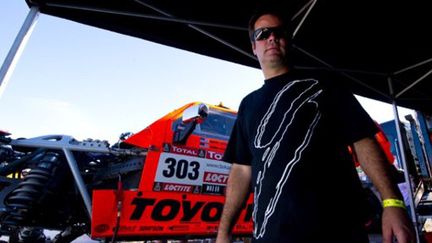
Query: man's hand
column 396, row 223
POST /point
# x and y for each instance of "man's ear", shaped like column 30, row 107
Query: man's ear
column 253, row 48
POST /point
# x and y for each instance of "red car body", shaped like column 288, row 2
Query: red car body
column 182, row 186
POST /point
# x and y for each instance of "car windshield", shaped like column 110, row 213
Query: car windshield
column 218, row 123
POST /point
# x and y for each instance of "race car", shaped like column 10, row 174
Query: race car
column 181, row 190
column 166, row 181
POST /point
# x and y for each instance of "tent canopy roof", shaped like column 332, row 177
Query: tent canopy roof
column 365, row 42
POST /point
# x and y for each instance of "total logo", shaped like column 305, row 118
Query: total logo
column 186, row 151
column 214, row 155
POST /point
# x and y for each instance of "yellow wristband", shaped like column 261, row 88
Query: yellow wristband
column 393, row 203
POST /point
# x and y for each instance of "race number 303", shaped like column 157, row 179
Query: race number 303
column 181, row 168
column 188, row 170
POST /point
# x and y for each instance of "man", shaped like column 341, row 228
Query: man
column 289, row 144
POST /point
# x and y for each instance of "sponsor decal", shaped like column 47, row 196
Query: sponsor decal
column 219, row 166
column 157, row 187
column 197, row 190
column 217, row 178
column 171, row 187
column 213, row 189
column 192, row 152
column 176, row 188
column 179, row 227
column 128, row 228
column 151, row 228
column 186, row 151
column 166, row 147
column 169, row 209
column 214, row 155
column 201, row 153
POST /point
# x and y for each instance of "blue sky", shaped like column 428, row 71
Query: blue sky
column 91, row 83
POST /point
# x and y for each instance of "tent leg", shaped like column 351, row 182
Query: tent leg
column 404, row 163
column 17, row 48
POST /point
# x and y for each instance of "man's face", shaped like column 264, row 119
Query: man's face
column 270, row 50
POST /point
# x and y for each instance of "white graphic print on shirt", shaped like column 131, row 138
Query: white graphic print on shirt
column 304, row 100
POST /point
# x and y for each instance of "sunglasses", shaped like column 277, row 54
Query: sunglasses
column 265, row 33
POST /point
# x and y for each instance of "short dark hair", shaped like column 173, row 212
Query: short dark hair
column 271, row 11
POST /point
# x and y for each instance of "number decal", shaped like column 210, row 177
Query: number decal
column 171, row 167
column 181, row 169
column 195, row 170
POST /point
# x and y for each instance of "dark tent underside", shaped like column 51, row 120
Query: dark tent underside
column 365, row 42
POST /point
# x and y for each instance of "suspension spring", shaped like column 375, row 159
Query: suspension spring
column 31, row 190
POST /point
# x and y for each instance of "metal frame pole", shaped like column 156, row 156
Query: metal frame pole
column 78, row 180
column 403, row 160
column 17, row 48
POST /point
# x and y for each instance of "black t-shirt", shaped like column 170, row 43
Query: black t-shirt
column 295, row 133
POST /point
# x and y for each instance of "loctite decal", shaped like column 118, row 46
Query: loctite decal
column 171, row 187
column 217, row 178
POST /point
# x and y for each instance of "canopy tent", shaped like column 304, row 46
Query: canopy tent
column 368, row 42
column 380, row 49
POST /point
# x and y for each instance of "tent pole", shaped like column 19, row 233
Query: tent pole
column 413, row 66
column 341, row 73
column 17, row 48
column 200, row 30
column 312, row 4
column 403, row 160
column 146, row 16
column 414, row 83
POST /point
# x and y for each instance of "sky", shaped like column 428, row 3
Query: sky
column 87, row 82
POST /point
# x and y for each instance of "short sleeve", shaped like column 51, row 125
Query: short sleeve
column 237, row 150
column 353, row 122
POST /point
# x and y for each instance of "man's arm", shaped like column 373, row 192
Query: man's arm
column 238, row 189
column 395, row 221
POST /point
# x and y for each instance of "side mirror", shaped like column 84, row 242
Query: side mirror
column 196, row 112
column 191, row 116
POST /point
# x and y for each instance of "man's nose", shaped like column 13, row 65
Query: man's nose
column 272, row 38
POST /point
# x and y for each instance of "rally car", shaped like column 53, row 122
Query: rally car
column 181, row 189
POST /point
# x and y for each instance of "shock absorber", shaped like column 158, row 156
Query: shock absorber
column 31, row 190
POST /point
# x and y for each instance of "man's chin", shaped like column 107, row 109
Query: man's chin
column 277, row 61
